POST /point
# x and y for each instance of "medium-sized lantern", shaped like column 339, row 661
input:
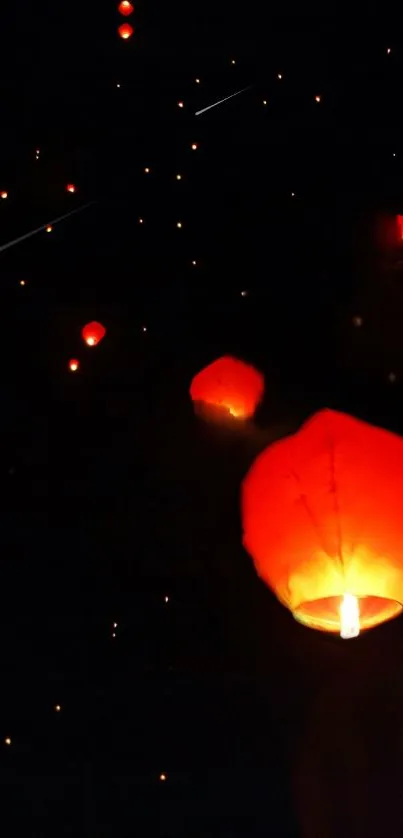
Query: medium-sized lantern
column 126, row 8
column 322, row 520
column 71, row 187
column 93, row 333
column 125, row 31
column 229, row 385
column 74, row 365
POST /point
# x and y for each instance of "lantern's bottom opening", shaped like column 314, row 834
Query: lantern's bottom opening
column 324, row 614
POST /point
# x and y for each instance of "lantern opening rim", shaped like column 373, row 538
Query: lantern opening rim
column 324, row 614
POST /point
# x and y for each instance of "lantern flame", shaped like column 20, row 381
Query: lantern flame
column 349, row 617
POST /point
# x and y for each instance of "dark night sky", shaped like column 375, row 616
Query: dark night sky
column 114, row 495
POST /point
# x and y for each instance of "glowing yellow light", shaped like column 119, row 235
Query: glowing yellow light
column 73, row 366
column 178, row 177
column 197, row 81
column 194, row 146
column 194, row 262
column 388, row 50
column 140, row 220
column 22, row 281
column 115, row 625
column 349, row 617
column 163, row 777
column 8, row 741
column 49, row 229
column 233, row 61
column 265, row 101
column 113, row 635
column 318, row 98
column 166, row 599
column 279, row 76
column 147, row 170
column 180, row 104
column 57, row 708
column 4, row 195
column 91, row 341
column 179, row 224
column 38, row 151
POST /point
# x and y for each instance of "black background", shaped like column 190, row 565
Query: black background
column 114, row 495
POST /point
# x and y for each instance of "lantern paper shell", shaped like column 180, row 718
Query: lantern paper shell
column 74, row 365
column 71, row 187
column 126, row 8
column 125, row 31
column 93, row 333
column 322, row 516
column 229, row 385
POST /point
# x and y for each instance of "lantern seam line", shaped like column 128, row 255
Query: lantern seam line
column 335, row 498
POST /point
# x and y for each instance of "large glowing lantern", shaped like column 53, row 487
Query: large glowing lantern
column 93, row 333
column 126, row 8
column 125, row 31
column 323, row 520
column 230, row 385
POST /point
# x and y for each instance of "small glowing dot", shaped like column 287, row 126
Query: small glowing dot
column 292, row 194
column 194, row 262
column 91, row 341
column 166, row 599
column 22, row 281
column 38, row 151
column 180, row 104
column 73, row 366
column 233, row 61
column 178, row 177
column 318, row 99
column 49, row 229
column 163, row 777
column 115, row 625
column 118, row 85
column 388, row 50
column 37, row 157
column 392, row 377
column 147, row 170
column 197, row 81
column 140, row 221
column 8, row 741
column 194, row 146
column 113, row 634
column 394, row 154
column 358, row 321
column 57, row 708
column 179, row 224
column 244, row 293
column 4, row 195
column 265, row 101
column 144, row 328
column 70, row 187
column 279, row 76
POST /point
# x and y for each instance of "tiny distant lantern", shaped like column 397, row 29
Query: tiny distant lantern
column 93, row 333
column 126, row 8
column 74, row 365
column 318, row 99
column 49, row 228
column 3, row 195
column 194, row 146
column 125, row 31
column 71, row 187
column 321, row 515
column 227, row 387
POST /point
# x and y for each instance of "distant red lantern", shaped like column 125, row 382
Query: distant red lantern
column 230, row 385
column 322, row 520
column 125, row 31
column 93, row 333
column 74, row 365
column 399, row 219
column 71, row 187
column 125, row 8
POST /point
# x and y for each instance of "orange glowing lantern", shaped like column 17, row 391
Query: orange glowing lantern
column 125, row 8
column 71, row 187
column 74, row 365
column 93, row 333
column 322, row 519
column 4, row 195
column 125, row 31
column 229, row 385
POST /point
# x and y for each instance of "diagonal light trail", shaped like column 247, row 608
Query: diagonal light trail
column 222, row 100
column 43, row 227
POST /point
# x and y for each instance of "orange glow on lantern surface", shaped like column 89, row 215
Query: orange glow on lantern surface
column 230, row 385
column 49, row 229
column 125, row 31
column 71, row 187
column 93, row 333
column 321, row 513
column 399, row 219
column 74, row 365
column 126, row 8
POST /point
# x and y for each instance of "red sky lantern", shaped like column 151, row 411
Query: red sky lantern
column 125, row 8
column 74, row 365
column 71, row 187
column 322, row 520
column 399, row 219
column 93, row 333
column 125, row 31
column 230, row 385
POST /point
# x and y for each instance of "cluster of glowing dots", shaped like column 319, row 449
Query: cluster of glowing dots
column 37, row 153
column 115, row 625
